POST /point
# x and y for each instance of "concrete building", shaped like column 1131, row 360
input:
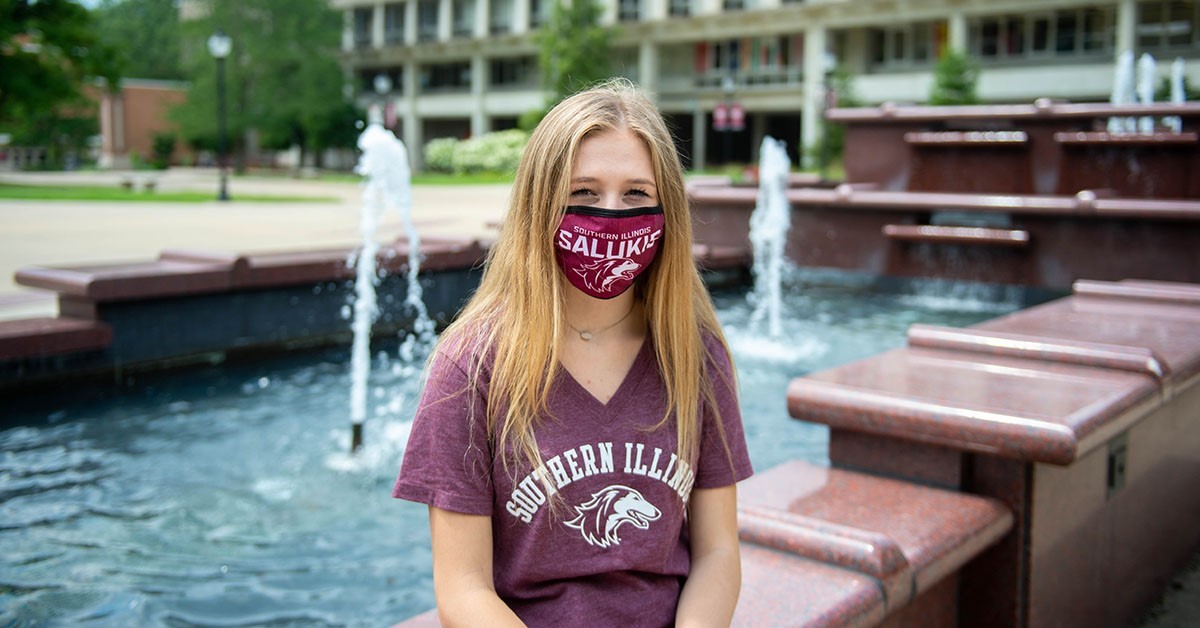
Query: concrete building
column 465, row 67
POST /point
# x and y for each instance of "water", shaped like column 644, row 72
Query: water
column 1123, row 93
column 388, row 185
column 1145, row 90
column 769, row 225
column 225, row 496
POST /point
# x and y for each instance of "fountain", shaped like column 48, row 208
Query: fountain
column 384, row 163
column 1145, row 90
column 768, row 234
column 1122, row 92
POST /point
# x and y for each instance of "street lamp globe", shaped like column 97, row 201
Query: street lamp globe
column 383, row 84
column 219, row 44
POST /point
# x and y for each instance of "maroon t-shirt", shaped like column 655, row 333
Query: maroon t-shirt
column 612, row 548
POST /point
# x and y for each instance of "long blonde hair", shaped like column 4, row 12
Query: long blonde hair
column 516, row 317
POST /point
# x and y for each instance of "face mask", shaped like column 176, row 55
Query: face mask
column 602, row 251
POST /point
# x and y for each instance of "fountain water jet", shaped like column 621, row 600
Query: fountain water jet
column 384, row 163
column 1122, row 93
column 769, row 226
column 1145, row 90
column 1175, row 123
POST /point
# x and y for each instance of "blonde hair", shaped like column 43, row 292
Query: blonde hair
column 516, row 317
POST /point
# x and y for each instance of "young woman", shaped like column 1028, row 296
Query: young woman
column 579, row 440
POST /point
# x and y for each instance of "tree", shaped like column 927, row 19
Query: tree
column 48, row 52
column 282, row 77
column 954, row 80
column 573, row 50
column 146, row 32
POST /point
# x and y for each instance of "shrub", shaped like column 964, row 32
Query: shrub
column 492, row 152
column 439, row 154
column 954, row 80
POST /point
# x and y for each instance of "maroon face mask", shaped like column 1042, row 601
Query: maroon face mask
column 602, row 251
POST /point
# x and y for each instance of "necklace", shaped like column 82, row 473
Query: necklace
column 587, row 336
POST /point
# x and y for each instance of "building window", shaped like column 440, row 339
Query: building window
column 427, row 20
column 1086, row 31
column 629, row 10
column 914, row 44
column 500, row 16
column 446, row 76
column 1165, row 24
column 513, row 72
column 679, row 8
column 539, row 12
column 735, row 5
column 464, row 18
column 393, row 24
column 362, row 27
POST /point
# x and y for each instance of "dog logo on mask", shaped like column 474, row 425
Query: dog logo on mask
column 600, row 275
column 599, row 518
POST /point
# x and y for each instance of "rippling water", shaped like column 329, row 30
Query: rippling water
column 223, row 496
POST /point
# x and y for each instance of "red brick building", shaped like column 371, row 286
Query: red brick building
column 130, row 120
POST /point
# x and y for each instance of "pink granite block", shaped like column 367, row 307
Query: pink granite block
column 1168, row 329
column 130, row 281
column 42, row 337
column 860, row 518
column 1010, row 407
column 1135, row 359
column 932, row 465
column 779, row 589
column 264, row 270
column 442, row 253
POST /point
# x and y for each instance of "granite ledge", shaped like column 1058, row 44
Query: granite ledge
column 44, row 337
column 836, row 514
column 1009, row 407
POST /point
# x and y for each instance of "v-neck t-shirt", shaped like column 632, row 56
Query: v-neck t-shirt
column 597, row 534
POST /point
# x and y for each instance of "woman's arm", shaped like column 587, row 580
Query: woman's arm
column 462, row 571
column 712, row 587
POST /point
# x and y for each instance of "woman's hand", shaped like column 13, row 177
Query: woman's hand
column 462, row 571
column 711, row 591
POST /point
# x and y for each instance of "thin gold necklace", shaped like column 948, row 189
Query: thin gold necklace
column 587, row 336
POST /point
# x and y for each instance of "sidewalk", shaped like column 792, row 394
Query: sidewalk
column 58, row 233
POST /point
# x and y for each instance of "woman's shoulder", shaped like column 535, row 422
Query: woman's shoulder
column 463, row 346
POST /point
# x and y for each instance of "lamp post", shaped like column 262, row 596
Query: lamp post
column 219, row 46
column 383, row 87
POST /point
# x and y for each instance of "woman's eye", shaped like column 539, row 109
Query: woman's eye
column 637, row 192
column 581, row 192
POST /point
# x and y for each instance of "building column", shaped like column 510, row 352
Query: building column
column 348, row 30
column 483, row 18
column 445, row 19
column 520, row 16
column 811, row 122
column 1126, row 27
column 410, row 22
column 480, row 123
column 412, row 123
column 957, row 32
column 648, row 66
column 377, row 26
column 699, row 137
column 655, row 10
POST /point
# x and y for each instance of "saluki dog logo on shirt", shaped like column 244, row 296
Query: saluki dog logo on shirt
column 599, row 518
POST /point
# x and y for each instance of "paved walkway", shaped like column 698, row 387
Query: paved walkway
column 58, row 233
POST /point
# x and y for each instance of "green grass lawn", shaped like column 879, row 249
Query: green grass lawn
column 14, row 191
